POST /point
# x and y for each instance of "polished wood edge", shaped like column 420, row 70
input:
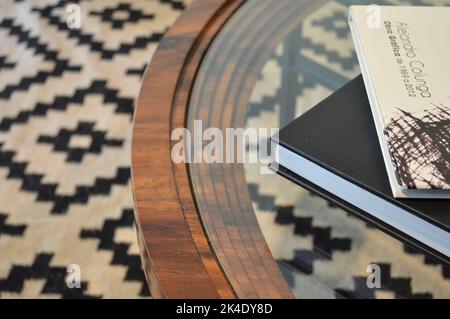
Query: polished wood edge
column 221, row 100
column 179, row 114
column 177, row 259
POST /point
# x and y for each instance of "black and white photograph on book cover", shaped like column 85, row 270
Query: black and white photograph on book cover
column 92, row 205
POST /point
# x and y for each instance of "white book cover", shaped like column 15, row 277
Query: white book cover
column 404, row 54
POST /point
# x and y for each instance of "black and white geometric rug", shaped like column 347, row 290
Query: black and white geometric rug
column 66, row 106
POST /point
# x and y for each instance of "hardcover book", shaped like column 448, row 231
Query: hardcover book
column 333, row 150
column 405, row 62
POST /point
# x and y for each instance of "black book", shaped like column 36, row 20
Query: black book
column 333, row 150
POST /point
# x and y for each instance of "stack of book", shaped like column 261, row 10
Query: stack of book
column 380, row 146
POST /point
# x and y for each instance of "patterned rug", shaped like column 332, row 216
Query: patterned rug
column 66, row 106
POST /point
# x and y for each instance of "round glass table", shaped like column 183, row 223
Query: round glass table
column 233, row 229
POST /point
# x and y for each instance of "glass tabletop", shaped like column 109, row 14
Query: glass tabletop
column 273, row 61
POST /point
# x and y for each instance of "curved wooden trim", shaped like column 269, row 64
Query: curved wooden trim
column 220, row 99
column 177, row 255
column 177, row 258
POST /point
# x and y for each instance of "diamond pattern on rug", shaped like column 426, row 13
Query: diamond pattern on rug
column 83, row 38
column 120, row 15
column 79, row 141
column 66, row 109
